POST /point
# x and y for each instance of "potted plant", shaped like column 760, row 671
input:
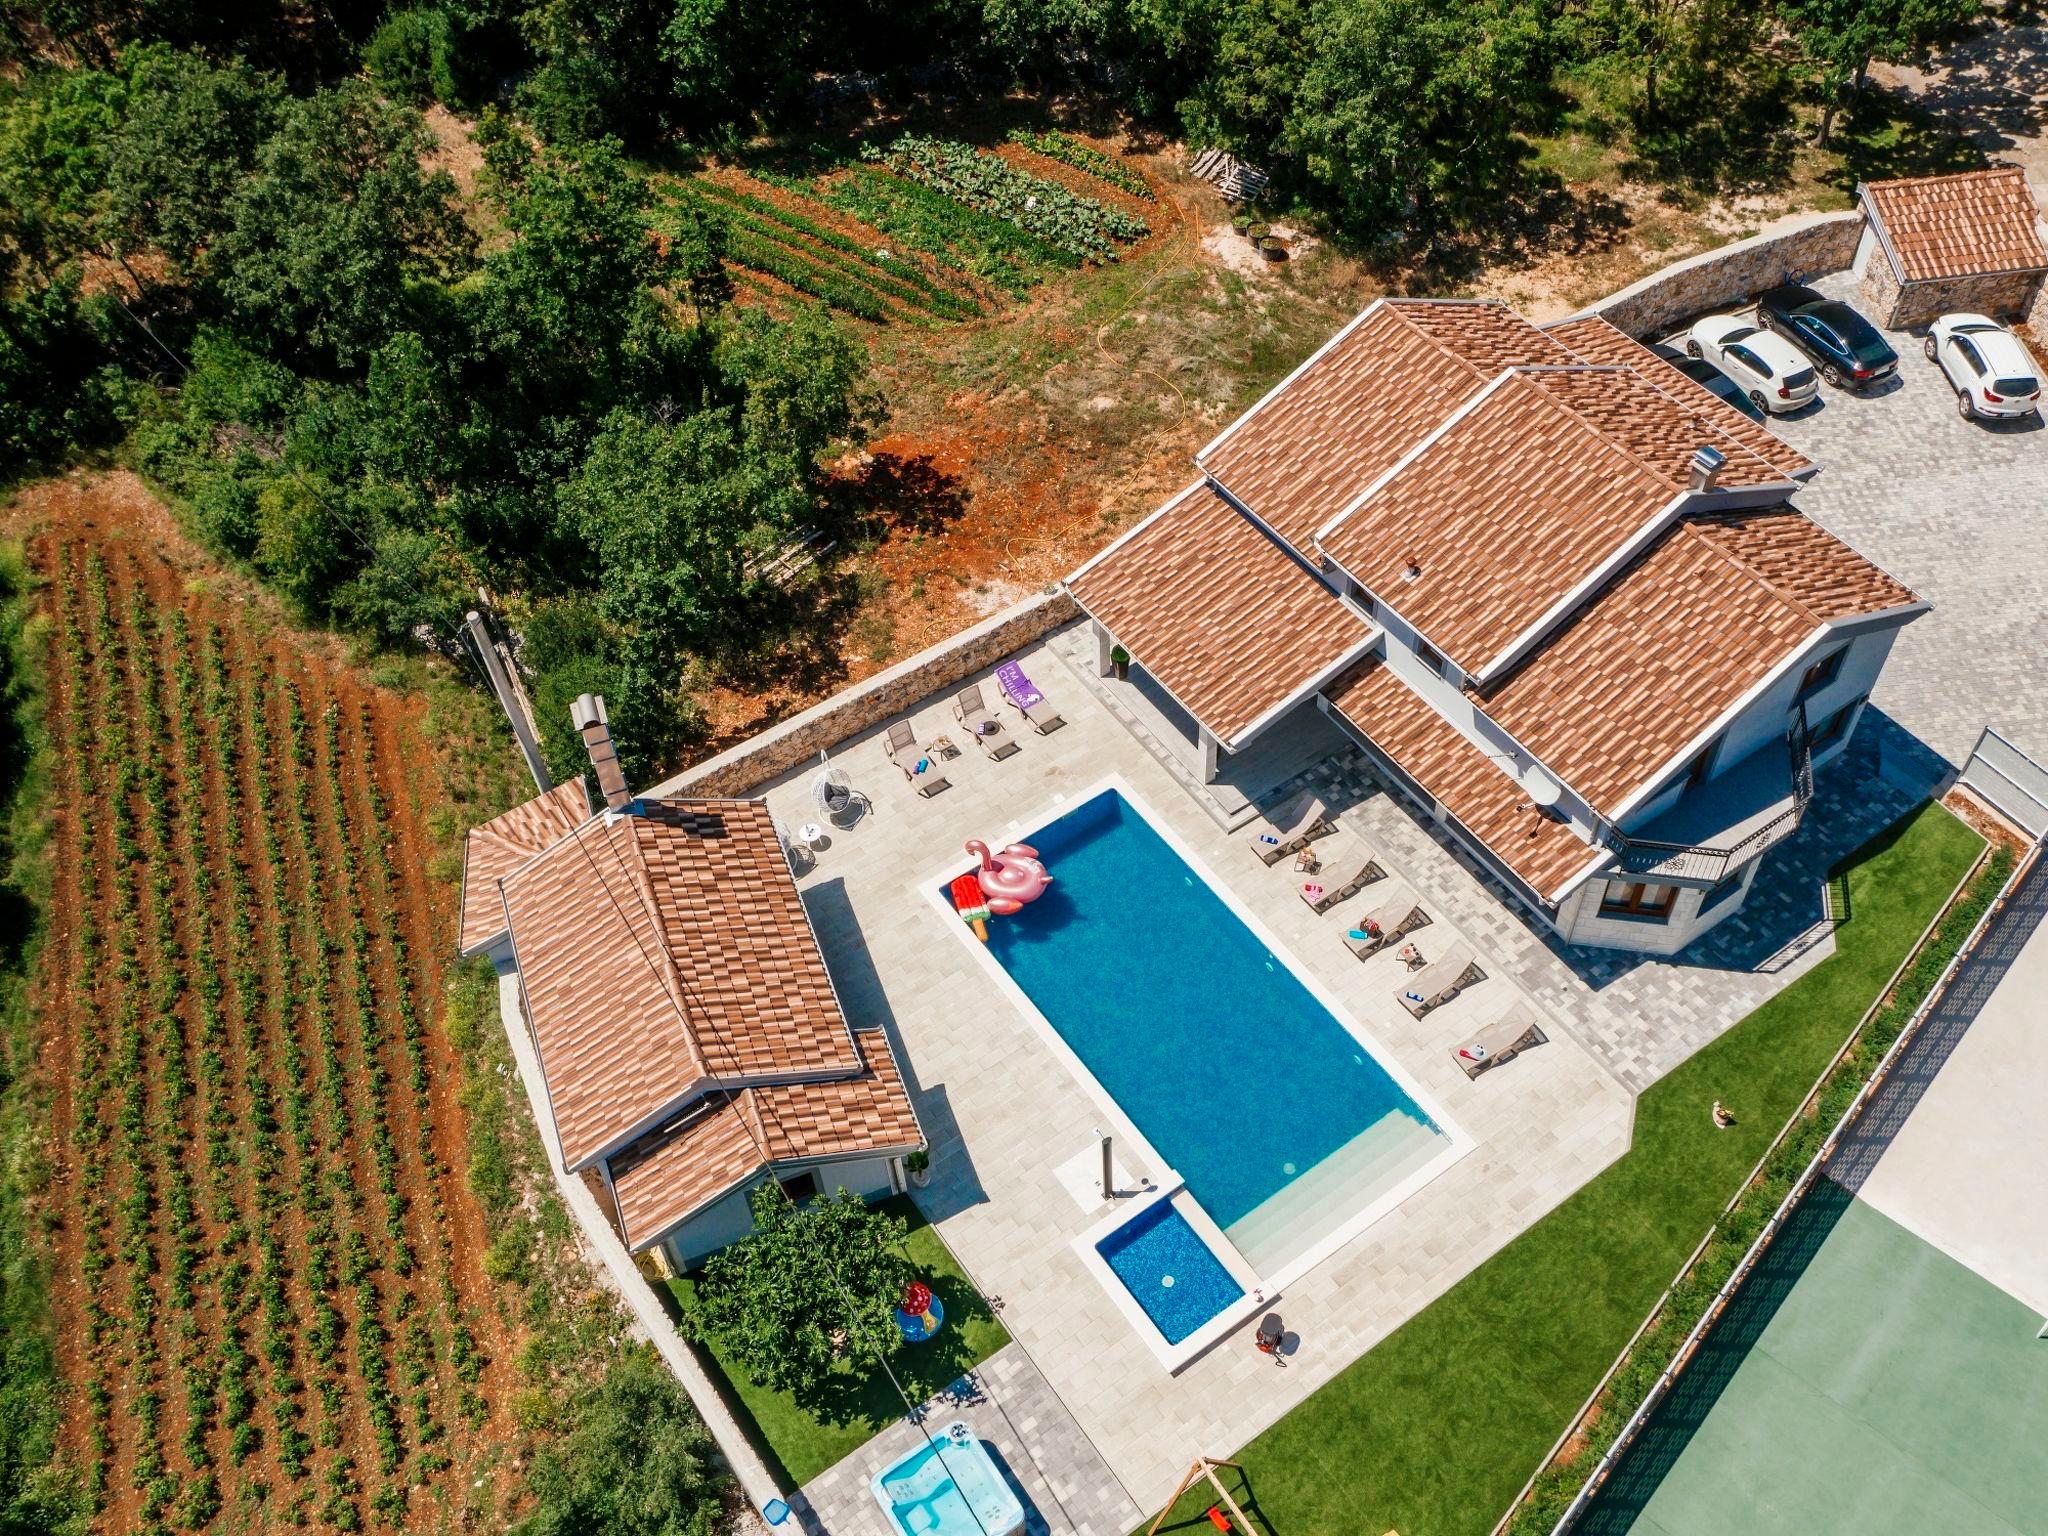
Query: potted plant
column 919, row 1166
column 1273, row 248
column 1240, row 222
column 1257, row 231
column 1121, row 660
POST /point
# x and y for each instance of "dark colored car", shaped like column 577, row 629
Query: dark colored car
column 1848, row 349
column 1716, row 383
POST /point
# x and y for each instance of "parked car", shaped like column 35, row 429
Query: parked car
column 1848, row 349
column 1766, row 368
column 1716, row 383
column 1988, row 367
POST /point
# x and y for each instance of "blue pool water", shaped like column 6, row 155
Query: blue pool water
column 1169, row 1271
column 949, row 1487
column 1279, row 1120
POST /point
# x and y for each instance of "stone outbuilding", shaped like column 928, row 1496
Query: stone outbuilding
column 1936, row 244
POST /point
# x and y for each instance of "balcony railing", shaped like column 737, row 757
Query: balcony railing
column 1703, row 863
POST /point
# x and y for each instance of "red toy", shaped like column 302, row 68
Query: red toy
column 1219, row 1519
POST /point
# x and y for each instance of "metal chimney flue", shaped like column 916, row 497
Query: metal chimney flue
column 595, row 727
column 1706, row 467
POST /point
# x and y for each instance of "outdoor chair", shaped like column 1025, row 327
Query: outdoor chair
column 1502, row 1040
column 906, row 754
column 1439, row 981
column 1344, row 873
column 836, row 798
column 1023, row 696
column 1393, row 915
column 985, row 728
column 1288, row 826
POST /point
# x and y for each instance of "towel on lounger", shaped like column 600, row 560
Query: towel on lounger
column 1018, row 688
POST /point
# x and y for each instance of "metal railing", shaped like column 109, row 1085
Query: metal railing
column 1688, row 861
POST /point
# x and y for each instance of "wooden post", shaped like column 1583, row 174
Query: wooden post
column 1205, row 1466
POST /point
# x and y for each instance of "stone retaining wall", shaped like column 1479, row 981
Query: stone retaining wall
column 852, row 710
column 1732, row 274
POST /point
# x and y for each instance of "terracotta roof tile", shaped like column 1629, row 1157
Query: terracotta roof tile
column 500, row 846
column 1959, row 226
column 1597, row 341
column 1473, row 787
column 1612, row 697
column 670, row 1177
column 1222, row 616
column 1379, row 388
column 1485, row 334
column 664, row 951
column 1508, row 510
column 1654, row 427
column 1804, row 562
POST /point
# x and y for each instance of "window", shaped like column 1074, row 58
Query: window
column 1361, row 597
column 1633, row 899
column 1429, row 656
column 1832, row 729
column 1822, row 672
column 801, row 1186
column 1750, row 360
column 1729, row 886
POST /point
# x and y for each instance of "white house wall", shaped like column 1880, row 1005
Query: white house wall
column 725, row 1221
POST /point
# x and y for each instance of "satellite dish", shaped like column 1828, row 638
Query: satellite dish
column 1542, row 789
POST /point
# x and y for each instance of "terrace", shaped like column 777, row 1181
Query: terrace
column 1013, row 1124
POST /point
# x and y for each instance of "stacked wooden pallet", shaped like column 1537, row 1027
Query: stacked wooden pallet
column 1236, row 179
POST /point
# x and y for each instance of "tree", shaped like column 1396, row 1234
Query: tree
column 777, row 1298
column 637, row 1461
column 186, row 143
column 1842, row 38
column 53, row 167
column 1406, row 107
column 336, row 221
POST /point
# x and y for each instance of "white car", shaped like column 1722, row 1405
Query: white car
column 1769, row 369
column 1989, row 368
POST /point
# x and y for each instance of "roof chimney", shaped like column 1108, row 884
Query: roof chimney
column 1706, row 467
column 591, row 720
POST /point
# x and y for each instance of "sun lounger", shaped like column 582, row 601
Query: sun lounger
column 1343, row 874
column 1024, row 697
column 1502, row 1040
column 1393, row 914
column 985, row 728
column 905, row 753
column 1439, row 981
column 1288, row 826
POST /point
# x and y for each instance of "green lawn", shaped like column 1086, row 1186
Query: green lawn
column 1433, row 1432
column 799, row 1444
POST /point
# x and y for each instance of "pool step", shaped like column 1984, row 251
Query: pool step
column 1293, row 1221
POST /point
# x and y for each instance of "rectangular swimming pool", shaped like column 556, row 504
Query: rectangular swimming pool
column 1169, row 1271
column 1282, row 1122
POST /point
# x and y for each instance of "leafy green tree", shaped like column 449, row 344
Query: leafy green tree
column 1405, row 109
column 54, row 130
column 808, row 1281
column 57, row 392
column 1841, row 39
column 637, row 1461
column 187, row 141
column 337, row 219
column 300, row 545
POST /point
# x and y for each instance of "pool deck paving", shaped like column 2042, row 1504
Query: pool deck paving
column 1005, row 1114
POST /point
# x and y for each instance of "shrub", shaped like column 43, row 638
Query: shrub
column 408, row 57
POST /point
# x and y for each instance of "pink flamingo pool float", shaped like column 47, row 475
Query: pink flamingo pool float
column 1011, row 878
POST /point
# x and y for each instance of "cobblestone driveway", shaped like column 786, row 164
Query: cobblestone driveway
column 1959, row 512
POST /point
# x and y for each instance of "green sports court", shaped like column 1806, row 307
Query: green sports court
column 1881, row 1371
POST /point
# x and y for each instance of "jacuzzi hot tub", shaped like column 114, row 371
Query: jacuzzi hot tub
column 950, row 1486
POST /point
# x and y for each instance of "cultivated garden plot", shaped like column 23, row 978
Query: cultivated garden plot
column 271, row 1307
column 924, row 230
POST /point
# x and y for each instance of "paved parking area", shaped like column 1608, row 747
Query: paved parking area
column 1959, row 512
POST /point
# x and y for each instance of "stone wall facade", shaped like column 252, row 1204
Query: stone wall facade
column 852, row 710
column 1732, row 274
column 1907, row 306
